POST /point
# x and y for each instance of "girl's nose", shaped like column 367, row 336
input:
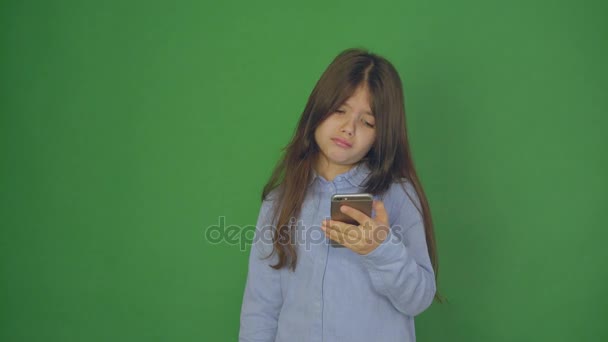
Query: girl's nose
column 348, row 127
column 347, row 131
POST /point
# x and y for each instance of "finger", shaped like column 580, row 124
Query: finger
column 337, row 226
column 351, row 233
column 355, row 214
column 333, row 234
column 381, row 214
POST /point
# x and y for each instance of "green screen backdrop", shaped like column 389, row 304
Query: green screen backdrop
column 129, row 129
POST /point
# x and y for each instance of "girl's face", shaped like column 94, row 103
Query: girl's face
column 346, row 135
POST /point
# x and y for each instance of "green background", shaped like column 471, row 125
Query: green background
column 129, row 128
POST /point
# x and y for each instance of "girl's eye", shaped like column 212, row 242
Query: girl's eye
column 368, row 124
column 340, row 111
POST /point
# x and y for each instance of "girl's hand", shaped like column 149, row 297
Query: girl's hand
column 365, row 237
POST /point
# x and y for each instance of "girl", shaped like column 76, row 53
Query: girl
column 351, row 138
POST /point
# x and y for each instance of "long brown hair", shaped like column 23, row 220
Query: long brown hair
column 389, row 159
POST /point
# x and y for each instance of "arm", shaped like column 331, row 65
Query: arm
column 400, row 267
column 262, row 300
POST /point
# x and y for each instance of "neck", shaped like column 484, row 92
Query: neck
column 329, row 171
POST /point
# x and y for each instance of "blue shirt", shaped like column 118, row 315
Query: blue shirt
column 336, row 294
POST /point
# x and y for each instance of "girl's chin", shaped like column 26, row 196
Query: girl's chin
column 340, row 160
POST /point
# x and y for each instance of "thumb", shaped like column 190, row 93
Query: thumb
column 381, row 215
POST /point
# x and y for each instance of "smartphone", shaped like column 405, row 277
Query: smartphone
column 361, row 202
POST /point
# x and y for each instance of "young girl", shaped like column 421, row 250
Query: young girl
column 351, row 138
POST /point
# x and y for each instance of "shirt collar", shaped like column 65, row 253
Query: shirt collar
column 356, row 176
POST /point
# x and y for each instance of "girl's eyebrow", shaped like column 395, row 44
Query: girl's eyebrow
column 366, row 112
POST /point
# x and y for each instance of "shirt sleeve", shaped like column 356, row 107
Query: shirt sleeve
column 400, row 267
column 262, row 299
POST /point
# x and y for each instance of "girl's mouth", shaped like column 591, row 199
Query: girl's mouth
column 342, row 143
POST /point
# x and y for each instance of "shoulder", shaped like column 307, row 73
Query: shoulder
column 272, row 194
column 403, row 192
column 402, row 202
column 271, row 197
column 268, row 209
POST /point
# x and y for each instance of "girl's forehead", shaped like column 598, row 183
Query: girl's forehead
column 361, row 97
column 367, row 110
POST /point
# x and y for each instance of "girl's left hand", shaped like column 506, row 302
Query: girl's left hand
column 365, row 237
